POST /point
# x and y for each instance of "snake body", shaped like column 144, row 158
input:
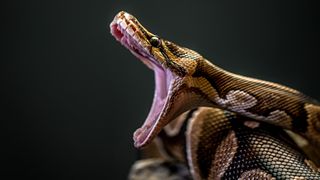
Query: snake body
column 220, row 144
column 232, row 138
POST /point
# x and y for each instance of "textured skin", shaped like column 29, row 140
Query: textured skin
column 224, row 145
column 217, row 145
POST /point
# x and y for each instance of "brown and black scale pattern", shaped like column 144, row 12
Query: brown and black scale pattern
column 266, row 148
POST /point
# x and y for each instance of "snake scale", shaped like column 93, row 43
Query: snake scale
column 222, row 125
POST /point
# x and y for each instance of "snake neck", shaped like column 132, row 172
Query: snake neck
column 212, row 77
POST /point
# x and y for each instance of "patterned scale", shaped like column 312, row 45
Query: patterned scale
column 224, row 145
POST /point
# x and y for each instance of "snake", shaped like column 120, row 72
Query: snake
column 229, row 126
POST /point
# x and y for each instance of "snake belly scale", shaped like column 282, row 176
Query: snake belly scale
column 229, row 126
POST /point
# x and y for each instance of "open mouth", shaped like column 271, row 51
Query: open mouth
column 125, row 29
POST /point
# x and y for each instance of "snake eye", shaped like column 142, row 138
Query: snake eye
column 155, row 41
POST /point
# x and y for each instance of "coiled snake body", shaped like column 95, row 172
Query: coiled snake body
column 238, row 130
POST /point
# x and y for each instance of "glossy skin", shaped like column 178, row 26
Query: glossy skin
column 185, row 80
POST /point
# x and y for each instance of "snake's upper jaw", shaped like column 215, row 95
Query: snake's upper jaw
column 124, row 28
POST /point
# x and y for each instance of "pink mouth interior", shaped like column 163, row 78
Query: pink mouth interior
column 163, row 79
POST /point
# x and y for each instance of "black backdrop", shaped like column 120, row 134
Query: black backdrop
column 72, row 96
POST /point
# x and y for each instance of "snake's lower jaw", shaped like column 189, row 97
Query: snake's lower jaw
column 165, row 109
column 162, row 109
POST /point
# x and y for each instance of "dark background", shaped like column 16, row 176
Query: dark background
column 72, row 96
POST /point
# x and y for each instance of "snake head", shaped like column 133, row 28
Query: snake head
column 171, row 64
column 154, row 51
